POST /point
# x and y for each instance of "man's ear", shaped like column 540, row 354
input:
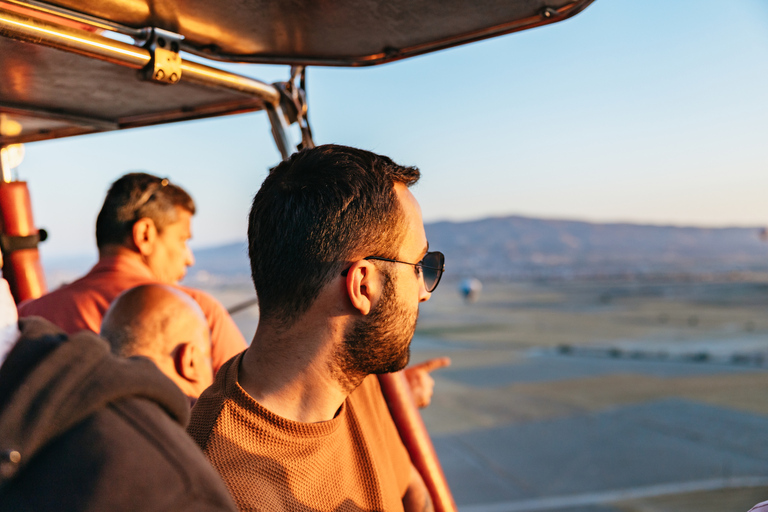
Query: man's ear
column 185, row 361
column 363, row 286
column 144, row 234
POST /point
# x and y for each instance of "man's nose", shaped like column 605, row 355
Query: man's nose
column 190, row 259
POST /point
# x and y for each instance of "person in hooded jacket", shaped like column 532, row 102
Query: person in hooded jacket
column 84, row 430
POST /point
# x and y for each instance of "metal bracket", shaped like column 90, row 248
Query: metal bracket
column 165, row 65
column 293, row 102
column 11, row 243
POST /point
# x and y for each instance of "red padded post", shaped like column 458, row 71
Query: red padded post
column 21, row 267
column 416, row 439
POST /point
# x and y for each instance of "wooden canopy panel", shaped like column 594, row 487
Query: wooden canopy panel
column 318, row 32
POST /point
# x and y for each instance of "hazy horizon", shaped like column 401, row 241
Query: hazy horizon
column 91, row 253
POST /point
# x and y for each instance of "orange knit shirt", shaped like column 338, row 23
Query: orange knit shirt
column 353, row 462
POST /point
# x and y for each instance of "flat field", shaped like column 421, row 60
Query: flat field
column 597, row 396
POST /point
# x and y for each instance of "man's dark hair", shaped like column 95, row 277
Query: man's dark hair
column 135, row 196
column 313, row 214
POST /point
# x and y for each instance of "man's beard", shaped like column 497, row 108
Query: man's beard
column 380, row 342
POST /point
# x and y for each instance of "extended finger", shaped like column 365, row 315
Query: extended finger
column 433, row 364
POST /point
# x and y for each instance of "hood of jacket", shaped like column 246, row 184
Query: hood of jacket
column 51, row 381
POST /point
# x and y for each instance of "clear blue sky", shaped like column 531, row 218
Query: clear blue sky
column 650, row 111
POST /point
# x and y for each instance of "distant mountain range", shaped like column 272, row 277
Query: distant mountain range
column 529, row 248
column 522, row 248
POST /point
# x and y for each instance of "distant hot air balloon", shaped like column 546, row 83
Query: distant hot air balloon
column 470, row 289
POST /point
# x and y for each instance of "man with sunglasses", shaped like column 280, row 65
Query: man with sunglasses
column 340, row 262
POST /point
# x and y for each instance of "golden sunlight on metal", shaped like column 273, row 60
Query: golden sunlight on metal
column 69, row 16
column 41, row 13
column 9, row 127
column 10, row 158
column 123, row 54
column 199, row 24
column 75, row 40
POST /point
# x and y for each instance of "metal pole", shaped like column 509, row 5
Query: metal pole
column 32, row 30
column 280, row 130
column 77, row 17
column 212, row 77
column 6, row 174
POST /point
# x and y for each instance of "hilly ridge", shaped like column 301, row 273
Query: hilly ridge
column 516, row 247
column 523, row 247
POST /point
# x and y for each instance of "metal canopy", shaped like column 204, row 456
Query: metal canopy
column 339, row 33
column 52, row 94
column 58, row 79
column 60, row 76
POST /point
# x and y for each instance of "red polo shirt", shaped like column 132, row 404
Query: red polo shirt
column 82, row 304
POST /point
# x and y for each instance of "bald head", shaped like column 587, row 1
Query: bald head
column 165, row 325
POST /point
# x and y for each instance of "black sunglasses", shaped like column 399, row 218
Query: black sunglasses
column 432, row 266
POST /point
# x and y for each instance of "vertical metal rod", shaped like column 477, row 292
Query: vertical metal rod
column 280, row 130
column 5, row 169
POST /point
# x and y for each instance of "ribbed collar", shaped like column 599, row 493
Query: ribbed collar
column 233, row 390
